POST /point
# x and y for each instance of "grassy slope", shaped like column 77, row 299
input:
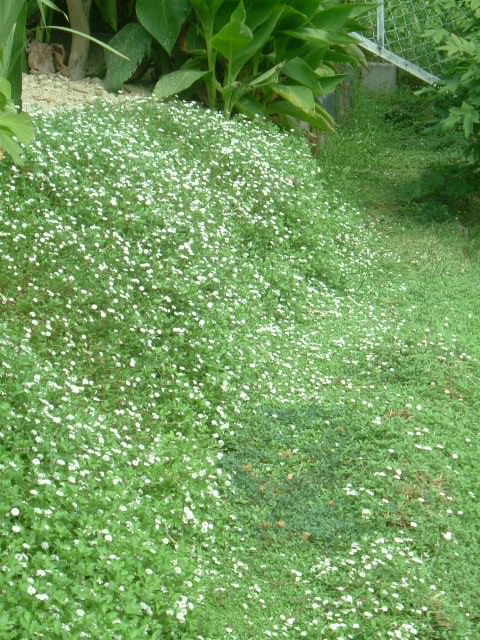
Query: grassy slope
column 217, row 340
column 400, row 405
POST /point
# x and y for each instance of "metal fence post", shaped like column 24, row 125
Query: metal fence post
column 381, row 25
column 385, row 39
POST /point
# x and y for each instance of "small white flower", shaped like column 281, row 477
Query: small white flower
column 31, row 590
column 448, row 535
column 15, row 512
column 42, row 596
column 16, row 528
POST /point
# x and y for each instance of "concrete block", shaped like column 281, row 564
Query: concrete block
column 380, row 76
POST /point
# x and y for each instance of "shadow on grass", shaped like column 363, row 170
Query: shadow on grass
column 291, row 466
column 383, row 159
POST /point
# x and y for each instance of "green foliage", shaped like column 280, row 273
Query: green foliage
column 12, row 43
column 270, row 58
column 458, row 96
column 266, row 58
column 163, row 19
column 15, row 127
column 172, row 83
column 133, row 41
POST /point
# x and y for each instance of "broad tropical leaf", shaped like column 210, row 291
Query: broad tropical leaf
column 259, row 12
column 232, row 38
column 322, row 37
column 333, row 18
column 163, row 19
column 174, row 83
column 18, row 124
column 300, row 71
column 301, row 97
column 260, row 38
column 15, row 126
column 133, row 41
column 12, row 148
column 206, row 11
column 251, row 107
column 320, row 119
column 267, row 78
column 9, row 12
column 5, row 92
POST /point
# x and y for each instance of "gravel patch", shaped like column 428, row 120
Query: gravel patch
column 42, row 93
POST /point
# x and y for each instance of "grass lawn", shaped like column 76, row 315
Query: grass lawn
column 239, row 386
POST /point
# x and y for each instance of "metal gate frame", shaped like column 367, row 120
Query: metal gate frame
column 379, row 49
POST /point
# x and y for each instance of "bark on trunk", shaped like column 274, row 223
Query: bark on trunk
column 79, row 13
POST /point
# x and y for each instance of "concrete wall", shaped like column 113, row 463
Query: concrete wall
column 380, row 76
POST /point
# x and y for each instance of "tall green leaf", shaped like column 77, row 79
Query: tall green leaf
column 15, row 126
column 333, row 18
column 232, row 38
column 319, row 118
column 163, row 19
column 308, row 7
column 301, row 97
column 18, row 124
column 9, row 12
column 5, row 92
column 108, row 9
column 206, row 11
column 300, row 71
column 133, row 41
column 260, row 38
column 259, row 12
column 322, row 37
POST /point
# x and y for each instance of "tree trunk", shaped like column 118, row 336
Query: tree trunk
column 79, row 13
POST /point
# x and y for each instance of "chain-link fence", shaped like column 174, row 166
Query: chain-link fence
column 396, row 33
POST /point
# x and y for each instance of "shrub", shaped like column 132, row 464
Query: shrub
column 458, row 96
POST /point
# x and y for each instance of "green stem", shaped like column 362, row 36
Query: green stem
column 211, row 84
column 227, row 105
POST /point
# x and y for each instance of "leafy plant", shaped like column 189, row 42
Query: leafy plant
column 268, row 58
column 252, row 56
column 458, row 96
column 13, row 126
column 18, row 127
column 134, row 42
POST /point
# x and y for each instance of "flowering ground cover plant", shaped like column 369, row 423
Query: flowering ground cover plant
column 230, row 408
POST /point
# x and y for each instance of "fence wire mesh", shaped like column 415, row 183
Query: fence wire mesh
column 404, row 25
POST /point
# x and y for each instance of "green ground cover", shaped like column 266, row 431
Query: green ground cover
column 239, row 385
